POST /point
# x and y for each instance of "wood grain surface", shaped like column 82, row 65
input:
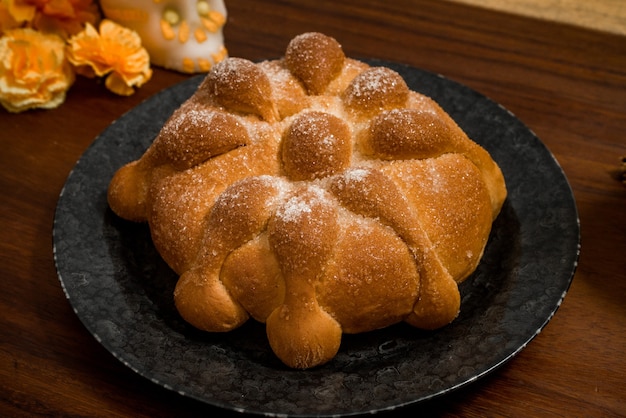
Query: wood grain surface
column 600, row 15
column 567, row 83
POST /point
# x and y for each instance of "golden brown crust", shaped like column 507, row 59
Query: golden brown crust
column 230, row 229
column 127, row 194
column 350, row 292
column 316, row 145
column 429, row 187
column 315, row 59
column 302, row 234
column 289, row 96
column 239, row 85
column 319, row 199
column 407, row 134
column 253, row 276
column 376, row 89
column 197, row 133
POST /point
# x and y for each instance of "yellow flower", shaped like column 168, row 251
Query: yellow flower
column 33, row 70
column 115, row 52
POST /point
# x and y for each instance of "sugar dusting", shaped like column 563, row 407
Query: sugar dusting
column 357, row 175
column 303, row 202
column 290, row 201
column 293, row 209
column 375, row 80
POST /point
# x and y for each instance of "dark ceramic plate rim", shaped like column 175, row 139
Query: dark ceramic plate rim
column 524, row 276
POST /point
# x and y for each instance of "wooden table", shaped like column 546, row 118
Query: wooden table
column 566, row 83
column 602, row 15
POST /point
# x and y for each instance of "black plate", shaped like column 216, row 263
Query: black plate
column 122, row 290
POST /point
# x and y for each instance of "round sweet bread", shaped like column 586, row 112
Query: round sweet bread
column 316, row 194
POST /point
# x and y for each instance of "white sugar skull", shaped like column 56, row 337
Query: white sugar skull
column 183, row 35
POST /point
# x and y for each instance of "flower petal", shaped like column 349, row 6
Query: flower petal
column 114, row 50
column 33, row 70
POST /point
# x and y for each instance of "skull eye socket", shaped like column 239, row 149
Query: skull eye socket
column 171, row 16
column 203, row 8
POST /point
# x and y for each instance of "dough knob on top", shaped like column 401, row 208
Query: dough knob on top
column 316, row 145
column 316, row 59
column 407, row 133
column 239, row 85
column 197, row 134
column 376, row 89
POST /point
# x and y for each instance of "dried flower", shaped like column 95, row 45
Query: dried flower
column 115, row 52
column 20, row 10
column 6, row 18
column 33, row 70
column 63, row 17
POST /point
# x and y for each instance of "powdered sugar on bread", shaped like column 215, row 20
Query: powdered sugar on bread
column 316, row 194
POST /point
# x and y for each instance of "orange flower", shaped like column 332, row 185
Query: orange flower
column 115, row 52
column 33, row 70
column 63, row 17
column 7, row 21
column 20, row 10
